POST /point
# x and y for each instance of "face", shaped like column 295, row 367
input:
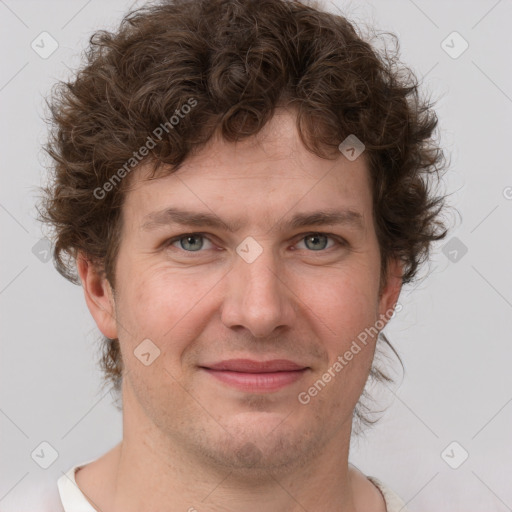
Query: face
column 247, row 312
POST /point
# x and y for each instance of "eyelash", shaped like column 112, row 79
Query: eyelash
column 340, row 241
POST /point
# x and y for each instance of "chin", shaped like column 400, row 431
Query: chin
column 259, row 443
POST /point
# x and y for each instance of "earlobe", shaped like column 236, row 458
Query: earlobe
column 98, row 296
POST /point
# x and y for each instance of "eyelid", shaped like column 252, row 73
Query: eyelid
column 298, row 238
column 170, row 241
column 338, row 239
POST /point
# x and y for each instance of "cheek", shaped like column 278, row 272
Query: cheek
column 345, row 308
column 162, row 307
column 343, row 305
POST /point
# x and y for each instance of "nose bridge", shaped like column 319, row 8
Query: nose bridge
column 256, row 297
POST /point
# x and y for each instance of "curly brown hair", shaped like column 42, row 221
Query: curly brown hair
column 237, row 60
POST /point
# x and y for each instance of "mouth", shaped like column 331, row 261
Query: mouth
column 256, row 376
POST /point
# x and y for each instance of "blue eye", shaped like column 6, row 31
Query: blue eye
column 194, row 242
column 189, row 242
column 316, row 241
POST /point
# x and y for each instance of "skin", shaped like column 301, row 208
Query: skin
column 191, row 442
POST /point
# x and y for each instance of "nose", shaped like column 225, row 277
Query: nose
column 257, row 296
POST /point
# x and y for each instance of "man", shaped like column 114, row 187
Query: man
column 244, row 187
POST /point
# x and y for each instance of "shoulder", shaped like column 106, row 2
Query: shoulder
column 372, row 494
column 393, row 502
column 42, row 496
column 366, row 495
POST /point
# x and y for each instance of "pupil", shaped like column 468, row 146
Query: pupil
column 187, row 241
column 315, row 239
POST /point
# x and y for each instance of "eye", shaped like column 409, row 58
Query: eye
column 189, row 242
column 194, row 242
column 319, row 241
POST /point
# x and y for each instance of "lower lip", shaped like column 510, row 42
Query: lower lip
column 257, row 382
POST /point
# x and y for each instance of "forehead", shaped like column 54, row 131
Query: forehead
column 266, row 176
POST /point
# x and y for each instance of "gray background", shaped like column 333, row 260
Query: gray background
column 453, row 332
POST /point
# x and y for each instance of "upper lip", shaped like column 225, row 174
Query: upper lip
column 252, row 366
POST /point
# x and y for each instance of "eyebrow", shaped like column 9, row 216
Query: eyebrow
column 170, row 216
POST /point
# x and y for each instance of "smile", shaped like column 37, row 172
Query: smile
column 256, row 376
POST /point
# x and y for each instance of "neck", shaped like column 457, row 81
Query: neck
column 169, row 480
column 150, row 470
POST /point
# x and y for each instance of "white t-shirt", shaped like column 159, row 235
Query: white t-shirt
column 67, row 497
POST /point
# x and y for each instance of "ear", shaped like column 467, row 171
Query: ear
column 98, row 296
column 390, row 292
